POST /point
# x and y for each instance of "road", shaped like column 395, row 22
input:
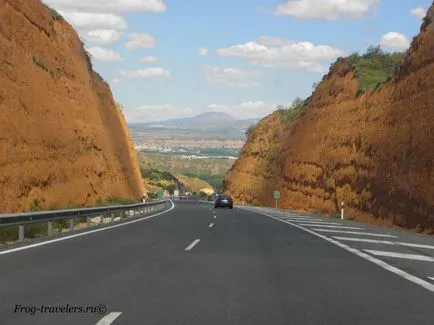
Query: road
column 196, row 265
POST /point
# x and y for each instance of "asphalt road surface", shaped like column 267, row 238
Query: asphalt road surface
column 197, row 265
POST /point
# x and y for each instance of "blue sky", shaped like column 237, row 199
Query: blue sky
column 167, row 59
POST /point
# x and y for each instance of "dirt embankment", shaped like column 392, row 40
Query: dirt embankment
column 63, row 141
column 375, row 152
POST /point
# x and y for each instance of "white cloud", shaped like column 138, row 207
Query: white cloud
column 146, row 73
column 249, row 109
column 327, row 9
column 231, row 77
column 395, row 41
column 149, row 113
column 149, row 59
column 115, row 80
column 303, row 55
column 419, row 12
column 202, row 52
column 274, row 41
column 86, row 20
column 102, row 36
column 103, row 55
column 109, row 6
column 140, row 40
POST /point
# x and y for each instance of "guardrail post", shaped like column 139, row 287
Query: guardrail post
column 87, row 222
column 71, row 224
column 21, row 233
column 50, row 228
column 101, row 219
column 113, row 216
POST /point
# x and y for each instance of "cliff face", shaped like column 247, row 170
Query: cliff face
column 375, row 152
column 62, row 139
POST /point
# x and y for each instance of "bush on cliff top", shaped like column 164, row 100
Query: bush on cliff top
column 290, row 112
column 375, row 66
column 249, row 130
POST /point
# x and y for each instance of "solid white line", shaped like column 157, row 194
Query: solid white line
column 194, row 243
column 324, row 226
column 431, row 278
column 354, row 232
column 385, row 242
column 400, row 255
column 83, row 233
column 384, row 265
column 109, row 318
column 211, row 224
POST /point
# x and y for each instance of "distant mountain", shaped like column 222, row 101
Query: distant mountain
column 208, row 125
column 211, row 121
column 202, row 119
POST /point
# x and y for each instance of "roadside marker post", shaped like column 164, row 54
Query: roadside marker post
column 276, row 196
column 342, row 210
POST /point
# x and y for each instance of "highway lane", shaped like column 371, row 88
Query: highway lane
column 245, row 269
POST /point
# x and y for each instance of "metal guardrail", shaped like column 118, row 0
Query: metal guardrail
column 110, row 212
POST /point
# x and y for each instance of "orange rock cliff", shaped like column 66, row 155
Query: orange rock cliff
column 63, row 140
column 375, row 152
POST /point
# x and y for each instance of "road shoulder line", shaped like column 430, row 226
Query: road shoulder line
column 361, row 254
column 43, row 243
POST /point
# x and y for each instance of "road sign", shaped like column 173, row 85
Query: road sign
column 276, row 195
column 175, row 192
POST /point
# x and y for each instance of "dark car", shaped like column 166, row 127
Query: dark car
column 223, row 201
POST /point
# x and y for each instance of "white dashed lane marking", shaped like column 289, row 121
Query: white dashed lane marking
column 194, row 243
column 109, row 318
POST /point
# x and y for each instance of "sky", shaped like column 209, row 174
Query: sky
column 169, row 58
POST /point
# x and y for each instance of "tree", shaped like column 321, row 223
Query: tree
column 297, row 103
column 171, row 188
column 374, row 51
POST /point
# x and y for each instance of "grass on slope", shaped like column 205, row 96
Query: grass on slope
column 375, row 66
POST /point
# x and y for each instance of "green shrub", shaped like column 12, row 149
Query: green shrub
column 35, row 205
column 56, row 15
column 33, row 230
column 41, row 64
column 375, row 66
column 249, row 130
column 114, row 200
column 294, row 110
column 335, row 214
column 8, row 234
